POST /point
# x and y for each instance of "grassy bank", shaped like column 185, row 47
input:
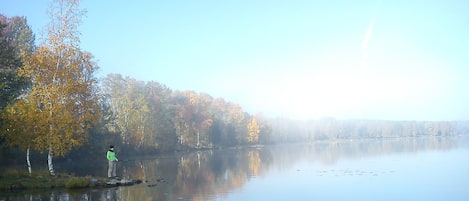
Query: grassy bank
column 19, row 180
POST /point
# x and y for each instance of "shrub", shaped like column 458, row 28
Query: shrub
column 78, row 182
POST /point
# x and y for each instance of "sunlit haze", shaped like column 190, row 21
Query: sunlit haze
column 391, row 60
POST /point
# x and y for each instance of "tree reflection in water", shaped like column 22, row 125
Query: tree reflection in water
column 214, row 174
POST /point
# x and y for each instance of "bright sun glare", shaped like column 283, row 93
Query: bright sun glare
column 333, row 94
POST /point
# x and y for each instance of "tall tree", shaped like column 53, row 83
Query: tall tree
column 16, row 36
column 159, row 123
column 234, row 120
column 130, row 111
column 64, row 89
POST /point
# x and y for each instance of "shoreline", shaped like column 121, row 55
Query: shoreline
column 19, row 181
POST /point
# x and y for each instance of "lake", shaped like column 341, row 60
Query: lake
column 425, row 168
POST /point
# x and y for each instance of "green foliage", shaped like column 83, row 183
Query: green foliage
column 11, row 87
column 15, row 37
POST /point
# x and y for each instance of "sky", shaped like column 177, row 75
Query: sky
column 364, row 59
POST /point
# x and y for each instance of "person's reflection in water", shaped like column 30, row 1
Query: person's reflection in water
column 111, row 194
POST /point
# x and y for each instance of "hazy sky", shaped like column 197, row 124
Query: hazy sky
column 393, row 60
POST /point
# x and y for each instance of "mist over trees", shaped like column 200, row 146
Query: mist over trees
column 286, row 130
column 51, row 101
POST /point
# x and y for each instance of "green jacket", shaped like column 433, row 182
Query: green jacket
column 111, row 155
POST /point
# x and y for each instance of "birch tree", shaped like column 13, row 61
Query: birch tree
column 63, row 90
column 130, row 110
column 21, row 126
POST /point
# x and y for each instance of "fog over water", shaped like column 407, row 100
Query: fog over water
column 425, row 168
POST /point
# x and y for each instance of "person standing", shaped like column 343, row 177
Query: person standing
column 112, row 159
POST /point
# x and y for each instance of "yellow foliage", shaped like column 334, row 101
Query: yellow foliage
column 253, row 131
column 62, row 102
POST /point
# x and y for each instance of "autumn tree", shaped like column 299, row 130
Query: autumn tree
column 235, row 122
column 129, row 107
column 181, row 117
column 63, row 93
column 160, row 126
column 21, row 126
column 198, row 117
column 219, row 110
column 253, row 131
column 265, row 134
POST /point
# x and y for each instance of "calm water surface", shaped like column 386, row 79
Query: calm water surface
column 393, row 169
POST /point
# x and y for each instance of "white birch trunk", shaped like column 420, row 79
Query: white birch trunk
column 49, row 162
column 28, row 161
column 198, row 139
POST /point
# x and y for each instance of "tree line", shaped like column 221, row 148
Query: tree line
column 287, row 130
column 150, row 115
